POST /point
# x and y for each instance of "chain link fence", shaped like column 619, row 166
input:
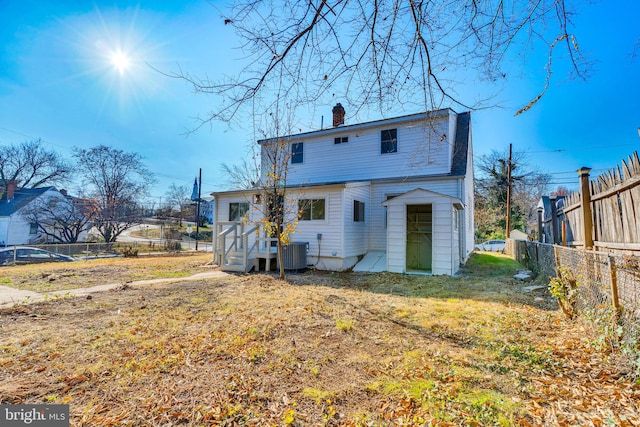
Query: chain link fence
column 105, row 250
column 607, row 295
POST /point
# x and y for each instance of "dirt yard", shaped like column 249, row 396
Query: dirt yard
column 335, row 349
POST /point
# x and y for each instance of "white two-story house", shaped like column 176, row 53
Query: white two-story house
column 389, row 195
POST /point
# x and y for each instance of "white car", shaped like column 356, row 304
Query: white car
column 491, row 246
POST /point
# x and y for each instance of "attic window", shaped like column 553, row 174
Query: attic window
column 341, row 140
column 33, row 228
column 389, row 141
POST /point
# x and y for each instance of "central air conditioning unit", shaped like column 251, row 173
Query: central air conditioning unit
column 294, row 256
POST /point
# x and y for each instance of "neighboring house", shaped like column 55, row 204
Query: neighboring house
column 206, row 208
column 14, row 228
column 389, row 195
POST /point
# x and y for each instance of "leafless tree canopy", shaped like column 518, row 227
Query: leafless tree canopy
column 372, row 53
column 116, row 180
column 32, row 165
column 179, row 204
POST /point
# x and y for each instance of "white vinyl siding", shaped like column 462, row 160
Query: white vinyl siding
column 356, row 233
column 424, row 148
column 330, row 228
column 223, row 203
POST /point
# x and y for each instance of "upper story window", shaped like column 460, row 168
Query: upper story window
column 33, row 228
column 237, row 211
column 311, row 209
column 341, row 140
column 358, row 211
column 389, row 141
column 297, row 152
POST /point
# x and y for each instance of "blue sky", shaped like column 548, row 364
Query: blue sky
column 58, row 83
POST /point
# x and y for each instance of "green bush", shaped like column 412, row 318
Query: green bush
column 564, row 287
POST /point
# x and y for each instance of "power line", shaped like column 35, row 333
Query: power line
column 564, row 150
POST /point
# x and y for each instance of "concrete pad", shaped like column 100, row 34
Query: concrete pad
column 12, row 296
column 373, row 262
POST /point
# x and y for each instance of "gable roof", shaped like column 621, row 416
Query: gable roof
column 422, row 193
column 21, row 198
column 364, row 125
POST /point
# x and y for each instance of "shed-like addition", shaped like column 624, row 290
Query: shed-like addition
column 423, row 233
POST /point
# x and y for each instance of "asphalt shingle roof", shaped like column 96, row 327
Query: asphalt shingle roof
column 21, row 198
column 461, row 148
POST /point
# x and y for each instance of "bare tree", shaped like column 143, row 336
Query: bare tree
column 31, row 165
column 178, row 201
column 409, row 53
column 62, row 219
column 266, row 173
column 244, row 175
column 491, row 193
column 280, row 215
column 117, row 181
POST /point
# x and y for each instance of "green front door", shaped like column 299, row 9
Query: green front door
column 419, row 237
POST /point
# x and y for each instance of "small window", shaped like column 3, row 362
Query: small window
column 358, row 211
column 311, row 209
column 341, row 140
column 297, row 152
column 389, row 141
column 33, row 228
column 237, row 211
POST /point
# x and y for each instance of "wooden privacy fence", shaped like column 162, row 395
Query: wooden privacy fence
column 605, row 213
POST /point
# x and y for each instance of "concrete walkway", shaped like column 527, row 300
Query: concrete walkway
column 11, row 296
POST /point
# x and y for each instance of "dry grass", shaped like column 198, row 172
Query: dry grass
column 321, row 349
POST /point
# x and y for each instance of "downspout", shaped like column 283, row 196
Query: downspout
column 462, row 225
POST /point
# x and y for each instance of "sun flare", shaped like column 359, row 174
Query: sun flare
column 121, row 61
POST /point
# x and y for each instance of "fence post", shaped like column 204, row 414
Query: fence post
column 614, row 283
column 585, row 206
column 556, row 256
column 540, row 230
column 554, row 219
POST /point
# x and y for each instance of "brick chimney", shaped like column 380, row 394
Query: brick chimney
column 338, row 115
column 11, row 189
column 63, row 192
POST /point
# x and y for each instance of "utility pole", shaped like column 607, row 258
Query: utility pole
column 508, row 225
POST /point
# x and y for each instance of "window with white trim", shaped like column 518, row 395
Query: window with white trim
column 297, row 152
column 341, row 140
column 237, row 211
column 311, row 209
column 389, row 141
